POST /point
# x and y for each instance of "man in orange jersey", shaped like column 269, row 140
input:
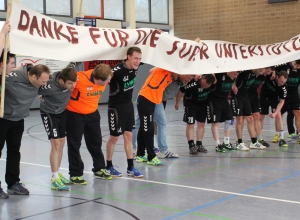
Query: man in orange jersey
column 83, row 118
column 150, row 95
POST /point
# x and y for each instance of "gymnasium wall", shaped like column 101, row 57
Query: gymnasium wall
column 239, row 21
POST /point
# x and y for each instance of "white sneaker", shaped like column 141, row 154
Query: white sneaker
column 257, row 145
column 160, row 155
column 241, row 146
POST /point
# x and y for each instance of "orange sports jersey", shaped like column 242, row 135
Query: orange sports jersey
column 86, row 95
column 155, row 85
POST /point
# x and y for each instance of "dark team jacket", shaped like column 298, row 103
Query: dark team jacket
column 55, row 97
column 121, row 84
column 222, row 87
column 270, row 89
column 293, row 80
column 19, row 94
column 194, row 94
column 244, row 81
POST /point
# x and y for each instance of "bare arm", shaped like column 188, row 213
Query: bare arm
column 278, row 108
column 5, row 30
column 178, row 97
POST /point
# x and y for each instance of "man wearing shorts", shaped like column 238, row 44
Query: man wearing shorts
column 55, row 97
column 121, row 111
column 241, row 108
column 195, row 102
column 219, row 110
column 273, row 94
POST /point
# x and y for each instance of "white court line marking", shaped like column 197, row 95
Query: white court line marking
column 183, row 186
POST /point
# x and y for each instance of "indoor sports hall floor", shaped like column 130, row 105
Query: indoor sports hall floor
column 259, row 184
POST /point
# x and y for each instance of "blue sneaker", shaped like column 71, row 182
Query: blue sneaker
column 114, row 172
column 156, row 150
column 134, row 173
column 58, row 185
column 141, row 159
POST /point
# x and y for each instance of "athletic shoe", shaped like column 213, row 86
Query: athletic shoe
column 201, row 149
column 257, row 145
column 161, row 155
column 229, row 146
column 219, row 148
column 78, row 180
column 114, row 172
column 141, row 159
column 103, row 174
column 282, row 143
column 241, row 146
column 155, row 162
column 293, row 136
column 264, row 143
column 193, row 149
column 156, row 150
column 134, row 155
column 58, row 185
column 134, row 173
column 276, row 138
column 3, row 195
column 18, row 189
column 167, row 154
column 64, row 180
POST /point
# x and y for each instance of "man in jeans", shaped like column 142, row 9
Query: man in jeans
column 21, row 89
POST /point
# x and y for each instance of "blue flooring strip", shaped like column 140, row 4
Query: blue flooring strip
column 233, row 196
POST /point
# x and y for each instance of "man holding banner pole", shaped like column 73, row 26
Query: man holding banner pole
column 21, row 89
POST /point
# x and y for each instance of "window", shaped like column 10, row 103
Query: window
column 108, row 9
column 2, row 5
column 58, row 7
column 50, row 7
column 152, row 11
column 114, row 9
column 93, row 9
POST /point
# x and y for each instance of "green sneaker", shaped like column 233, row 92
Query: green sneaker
column 141, row 159
column 103, row 174
column 64, row 180
column 78, row 180
column 293, row 136
column 228, row 146
column 155, row 162
column 219, row 148
column 58, row 185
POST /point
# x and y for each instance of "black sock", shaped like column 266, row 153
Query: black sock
column 130, row 164
column 109, row 164
column 253, row 140
column 191, row 143
column 199, row 143
column 240, row 141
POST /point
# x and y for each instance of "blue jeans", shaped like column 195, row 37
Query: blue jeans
column 160, row 120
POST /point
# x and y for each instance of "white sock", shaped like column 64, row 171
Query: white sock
column 281, row 134
column 218, row 142
column 54, row 175
column 226, row 140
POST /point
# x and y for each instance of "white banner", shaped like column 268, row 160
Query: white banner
column 34, row 34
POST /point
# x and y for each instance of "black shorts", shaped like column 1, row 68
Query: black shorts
column 55, row 124
column 255, row 102
column 218, row 110
column 292, row 103
column 195, row 113
column 240, row 105
column 266, row 103
column 120, row 118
